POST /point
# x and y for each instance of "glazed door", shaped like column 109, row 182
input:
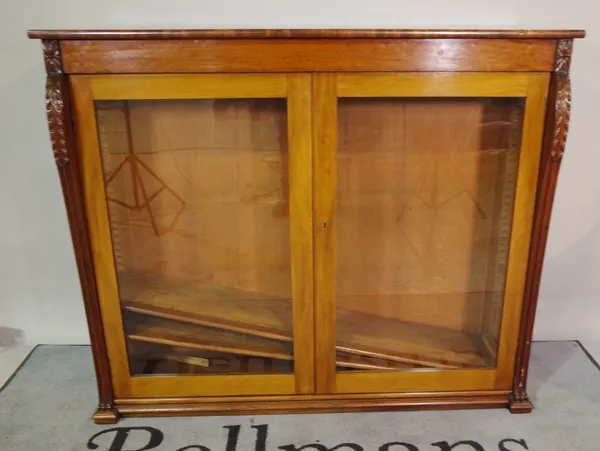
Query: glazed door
column 197, row 189
column 424, row 197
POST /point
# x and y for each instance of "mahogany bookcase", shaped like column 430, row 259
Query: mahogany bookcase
column 275, row 221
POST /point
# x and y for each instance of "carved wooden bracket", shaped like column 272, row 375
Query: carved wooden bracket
column 562, row 114
column 55, row 107
column 562, row 98
column 56, row 120
column 52, row 57
column 564, row 48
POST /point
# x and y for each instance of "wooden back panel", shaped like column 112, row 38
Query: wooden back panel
column 425, row 194
column 198, row 189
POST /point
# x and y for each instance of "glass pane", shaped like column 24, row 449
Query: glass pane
column 424, row 210
column 198, row 204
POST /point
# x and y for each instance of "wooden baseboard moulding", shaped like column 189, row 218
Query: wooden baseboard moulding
column 166, row 407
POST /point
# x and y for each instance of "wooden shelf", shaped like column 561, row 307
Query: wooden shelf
column 175, row 333
column 267, row 317
column 400, row 341
column 206, row 305
column 153, row 358
column 355, row 362
column 187, row 342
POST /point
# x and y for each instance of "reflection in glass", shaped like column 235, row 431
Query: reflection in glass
column 424, row 211
column 198, row 204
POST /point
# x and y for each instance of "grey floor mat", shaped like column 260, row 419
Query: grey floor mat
column 47, row 406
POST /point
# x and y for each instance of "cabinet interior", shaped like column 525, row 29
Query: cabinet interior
column 198, row 199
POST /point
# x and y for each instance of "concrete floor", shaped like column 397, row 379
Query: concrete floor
column 10, row 359
column 593, row 348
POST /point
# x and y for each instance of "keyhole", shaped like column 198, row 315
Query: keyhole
column 324, row 225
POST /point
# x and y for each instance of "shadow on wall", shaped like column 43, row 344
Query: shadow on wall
column 10, row 337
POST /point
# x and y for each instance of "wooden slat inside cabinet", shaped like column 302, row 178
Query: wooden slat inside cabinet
column 176, row 333
column 270, row 317
column 187, row 343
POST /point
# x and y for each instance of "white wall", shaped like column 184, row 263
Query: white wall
column 39, row 291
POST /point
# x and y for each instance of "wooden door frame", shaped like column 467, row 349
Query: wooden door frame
column 295, row 88
column 327, row 89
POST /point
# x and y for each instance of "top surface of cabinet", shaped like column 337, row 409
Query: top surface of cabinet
column 306, row 34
